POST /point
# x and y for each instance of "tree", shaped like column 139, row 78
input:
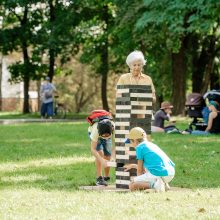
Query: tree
column 172, row 24
column 21, row 19
column 96, row 45
column 38, row 29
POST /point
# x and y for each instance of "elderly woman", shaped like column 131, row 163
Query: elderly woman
column 135, row 60
column 213, row 121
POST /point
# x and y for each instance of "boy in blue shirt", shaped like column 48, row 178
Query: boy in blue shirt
column 154, row 168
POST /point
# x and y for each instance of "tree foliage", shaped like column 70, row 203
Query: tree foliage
column 180, row 39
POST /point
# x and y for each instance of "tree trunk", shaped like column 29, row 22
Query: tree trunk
column 179, row 80
column 51, row 64
column 26, row 76
column 209, row 66
column 51, row 50
column 198, row 68
column 104, row 61
column 215, row 80
column 104, row 93
column 26, row 96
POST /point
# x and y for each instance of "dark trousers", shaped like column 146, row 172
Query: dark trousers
column 47, row 109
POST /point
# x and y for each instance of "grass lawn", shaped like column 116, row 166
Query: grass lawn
column 42, row 166
column 36, row 115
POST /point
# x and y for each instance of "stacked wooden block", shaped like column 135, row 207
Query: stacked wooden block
column 133, row 109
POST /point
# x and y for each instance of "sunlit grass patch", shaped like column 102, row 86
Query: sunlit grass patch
column 8, row 167
column 17, row 179
column 40, row 204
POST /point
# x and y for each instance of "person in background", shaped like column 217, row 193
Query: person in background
column 154, row 168
column 161, row 116
column 135, row 61
column 213, row 126
column 46, row 92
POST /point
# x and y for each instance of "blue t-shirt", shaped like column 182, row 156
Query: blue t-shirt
column 154, row 159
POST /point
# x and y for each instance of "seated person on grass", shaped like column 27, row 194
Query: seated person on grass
column 213, row 121
column 154, row 168
column 160, row 117
column 101, row 135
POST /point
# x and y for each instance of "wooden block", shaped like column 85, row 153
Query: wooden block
column 122, row 173
column 141, row 99
column 122, row 161
column 117, row 119
column 122, row 123
column 128, row 178
column 123, row 107
column 119, row 153
column 123, row 102
column 119, row 166
column 111, row 164
column 146, row 95
column 139, row 111
column 141, row 103
column 122, row 128
column 120, row 139
column 134, row 86
column 123, row 115
column 122, row 132
column 132, row 153
column 122, row 186
column 119, row 135
column 119, row 111
column 122, row 90
column 124, row 157
column 120, row 169
column 119, row 148
column 140, row 90
column 124, row 182
column 121, row 144
column 128, row 145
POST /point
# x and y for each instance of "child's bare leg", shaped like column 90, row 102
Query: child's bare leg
column 139, row 186
column 99, row 165
column 107, row 169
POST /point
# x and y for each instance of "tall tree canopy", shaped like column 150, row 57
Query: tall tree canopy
column 180, row 38
column 169, row 29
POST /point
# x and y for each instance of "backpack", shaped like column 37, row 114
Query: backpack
column 98, row 115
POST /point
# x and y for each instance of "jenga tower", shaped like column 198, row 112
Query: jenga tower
column 133, row 109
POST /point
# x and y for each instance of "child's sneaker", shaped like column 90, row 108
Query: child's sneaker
column 101, row 182
column 159, row 185
column 106, row 178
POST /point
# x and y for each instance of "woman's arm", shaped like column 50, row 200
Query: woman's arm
column 212, row 115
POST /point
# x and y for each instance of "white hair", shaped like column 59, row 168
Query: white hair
column 134, row 56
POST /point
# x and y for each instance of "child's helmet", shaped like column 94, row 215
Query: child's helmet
column 105, row 127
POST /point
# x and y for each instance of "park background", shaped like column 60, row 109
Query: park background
column 82, row 47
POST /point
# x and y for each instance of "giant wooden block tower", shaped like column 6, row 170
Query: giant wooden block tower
column 133, row 109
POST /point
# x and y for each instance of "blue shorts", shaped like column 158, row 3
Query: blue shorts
column 104, row 145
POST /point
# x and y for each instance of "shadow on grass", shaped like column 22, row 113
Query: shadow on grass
column 57, row 177
column 69, row 177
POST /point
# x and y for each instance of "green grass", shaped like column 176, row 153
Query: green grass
column 36, row 115
column 42, row 166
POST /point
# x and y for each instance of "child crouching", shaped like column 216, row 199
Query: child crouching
column 154, row 168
